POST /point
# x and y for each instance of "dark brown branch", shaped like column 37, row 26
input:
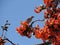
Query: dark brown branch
column 9, row 41
column 46, row 43
column 35, row 21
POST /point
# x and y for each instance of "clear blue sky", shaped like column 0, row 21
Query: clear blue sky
column 14, row 11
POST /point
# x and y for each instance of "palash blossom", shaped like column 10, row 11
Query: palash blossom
column 25, row 29
column 51, row 29
column 48, row 2
column 45, row 33
column 37, row 32
column 22, row 28
column 38, row 9
column 41, row 33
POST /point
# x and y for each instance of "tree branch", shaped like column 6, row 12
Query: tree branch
column 46, row 43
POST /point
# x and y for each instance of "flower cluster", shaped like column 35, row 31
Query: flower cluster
column 25, row 29
column 51, row 29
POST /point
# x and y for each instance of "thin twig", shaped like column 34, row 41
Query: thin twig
column 35, row 21
column 9, row 41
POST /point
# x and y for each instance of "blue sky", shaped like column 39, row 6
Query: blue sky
column 16, row 10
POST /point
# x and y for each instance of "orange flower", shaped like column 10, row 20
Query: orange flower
column 45, row 36
column 51, row 21
column 48, row 2
column 24, row 23
column 38, row 34
column 19, row 31
column 45, row 33
column 38, row 9
column 45, row 29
